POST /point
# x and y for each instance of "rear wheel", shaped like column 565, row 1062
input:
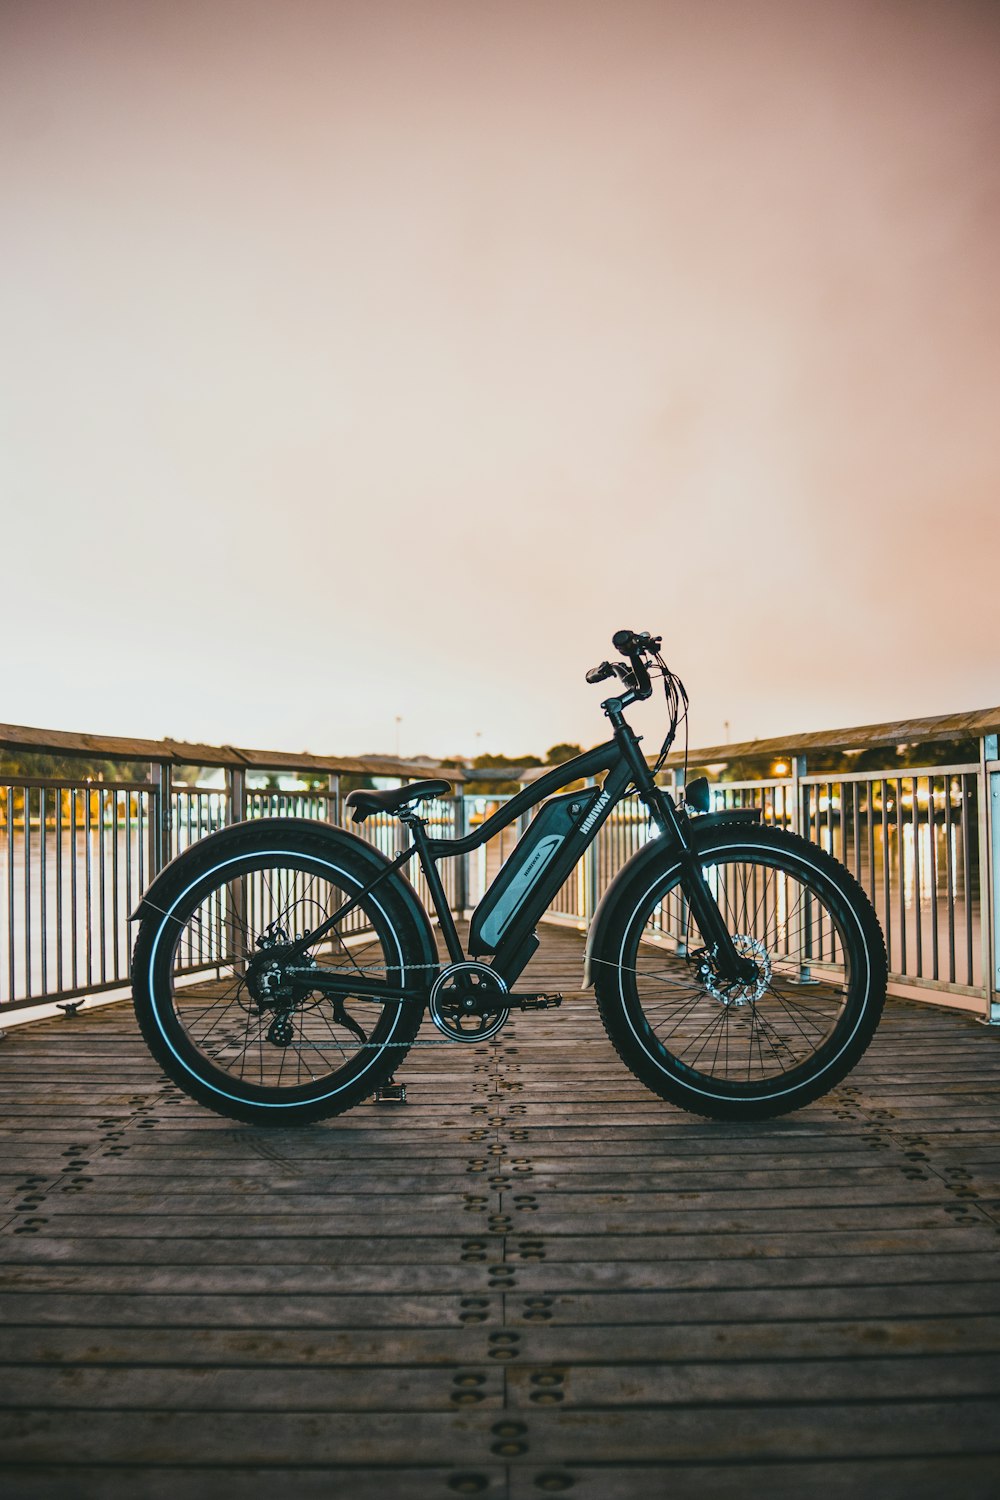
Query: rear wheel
column 759, row 1047
column 238, row 1026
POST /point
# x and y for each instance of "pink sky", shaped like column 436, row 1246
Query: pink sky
column 365, row 360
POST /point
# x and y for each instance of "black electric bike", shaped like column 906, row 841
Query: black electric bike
column 283, row 966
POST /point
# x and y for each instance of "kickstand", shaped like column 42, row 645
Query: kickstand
column 390, row 1092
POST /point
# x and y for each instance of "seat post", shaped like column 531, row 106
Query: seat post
column 417, row 827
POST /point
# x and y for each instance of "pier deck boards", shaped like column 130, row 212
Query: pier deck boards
column 532, row 1278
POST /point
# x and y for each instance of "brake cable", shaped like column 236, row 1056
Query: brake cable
column 677, row 707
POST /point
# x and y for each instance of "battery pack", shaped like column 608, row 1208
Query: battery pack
column 535, row 853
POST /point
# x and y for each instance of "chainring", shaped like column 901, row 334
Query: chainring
column 466, row 1002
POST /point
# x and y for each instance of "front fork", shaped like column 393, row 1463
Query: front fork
column 676, row 825
column 716, row 936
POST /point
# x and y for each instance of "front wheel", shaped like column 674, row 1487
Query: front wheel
column 237, row 1024
column 759, row 1047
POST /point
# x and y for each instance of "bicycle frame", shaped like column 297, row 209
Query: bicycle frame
column 622, row 761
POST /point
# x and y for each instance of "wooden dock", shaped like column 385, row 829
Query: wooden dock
column 532, row 1278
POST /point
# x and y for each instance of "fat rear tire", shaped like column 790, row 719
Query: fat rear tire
column 271, row 1066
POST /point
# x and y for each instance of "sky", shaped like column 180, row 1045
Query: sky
column 364, row 366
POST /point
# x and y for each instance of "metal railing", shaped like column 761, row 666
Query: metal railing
column 75, row 859
column 76, row 854
column 924, row 843
column 912, row 841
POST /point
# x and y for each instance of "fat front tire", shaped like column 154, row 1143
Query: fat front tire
column 753, row 1049
column 292, row 1057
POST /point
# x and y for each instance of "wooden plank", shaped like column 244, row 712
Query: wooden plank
column 456, row 1345
column 256, row 1388
column 728, row 1433
column 237, row 1482
column 97, row 1296
column 895, row 1478
column 68, row 1265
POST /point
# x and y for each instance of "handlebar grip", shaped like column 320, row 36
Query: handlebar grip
column 624, row 641
column 599, row 674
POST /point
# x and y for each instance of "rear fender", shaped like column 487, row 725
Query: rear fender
column 337, row 839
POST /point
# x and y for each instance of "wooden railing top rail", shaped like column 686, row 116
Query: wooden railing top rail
column 972, row 724
column 182, row 752
column 959, row 726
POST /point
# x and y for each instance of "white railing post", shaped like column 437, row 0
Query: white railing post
column 800, row 825
column 161, row 822
column 462, row 862
column 799, row 820
column 989, row 873
column 236, row 786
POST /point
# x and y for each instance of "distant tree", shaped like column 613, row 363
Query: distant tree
column 498, row 763
column 70, row 767
column 314, row 781
column 352, row 781
column 887, row 758
column 939, row 753
column 186, row 775
column 558, row 753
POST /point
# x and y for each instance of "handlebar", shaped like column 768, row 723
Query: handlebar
column 631, row 644
column 636, row 674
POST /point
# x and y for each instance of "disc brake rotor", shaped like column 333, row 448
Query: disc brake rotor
column 738, row 991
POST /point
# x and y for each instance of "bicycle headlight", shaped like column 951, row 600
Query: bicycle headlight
column 698, row 795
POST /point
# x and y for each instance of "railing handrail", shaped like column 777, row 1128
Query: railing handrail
column 186, row 753
column 972, row 724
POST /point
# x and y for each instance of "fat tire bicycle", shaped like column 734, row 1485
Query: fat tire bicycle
column 283, row 966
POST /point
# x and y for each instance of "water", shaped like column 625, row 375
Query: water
column 65, row 903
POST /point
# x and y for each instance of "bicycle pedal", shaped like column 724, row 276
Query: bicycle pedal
column 534, row 1002
column 390, row 1093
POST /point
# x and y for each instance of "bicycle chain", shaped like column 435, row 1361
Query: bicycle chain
column 417, row 1042
column 385, row 1046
